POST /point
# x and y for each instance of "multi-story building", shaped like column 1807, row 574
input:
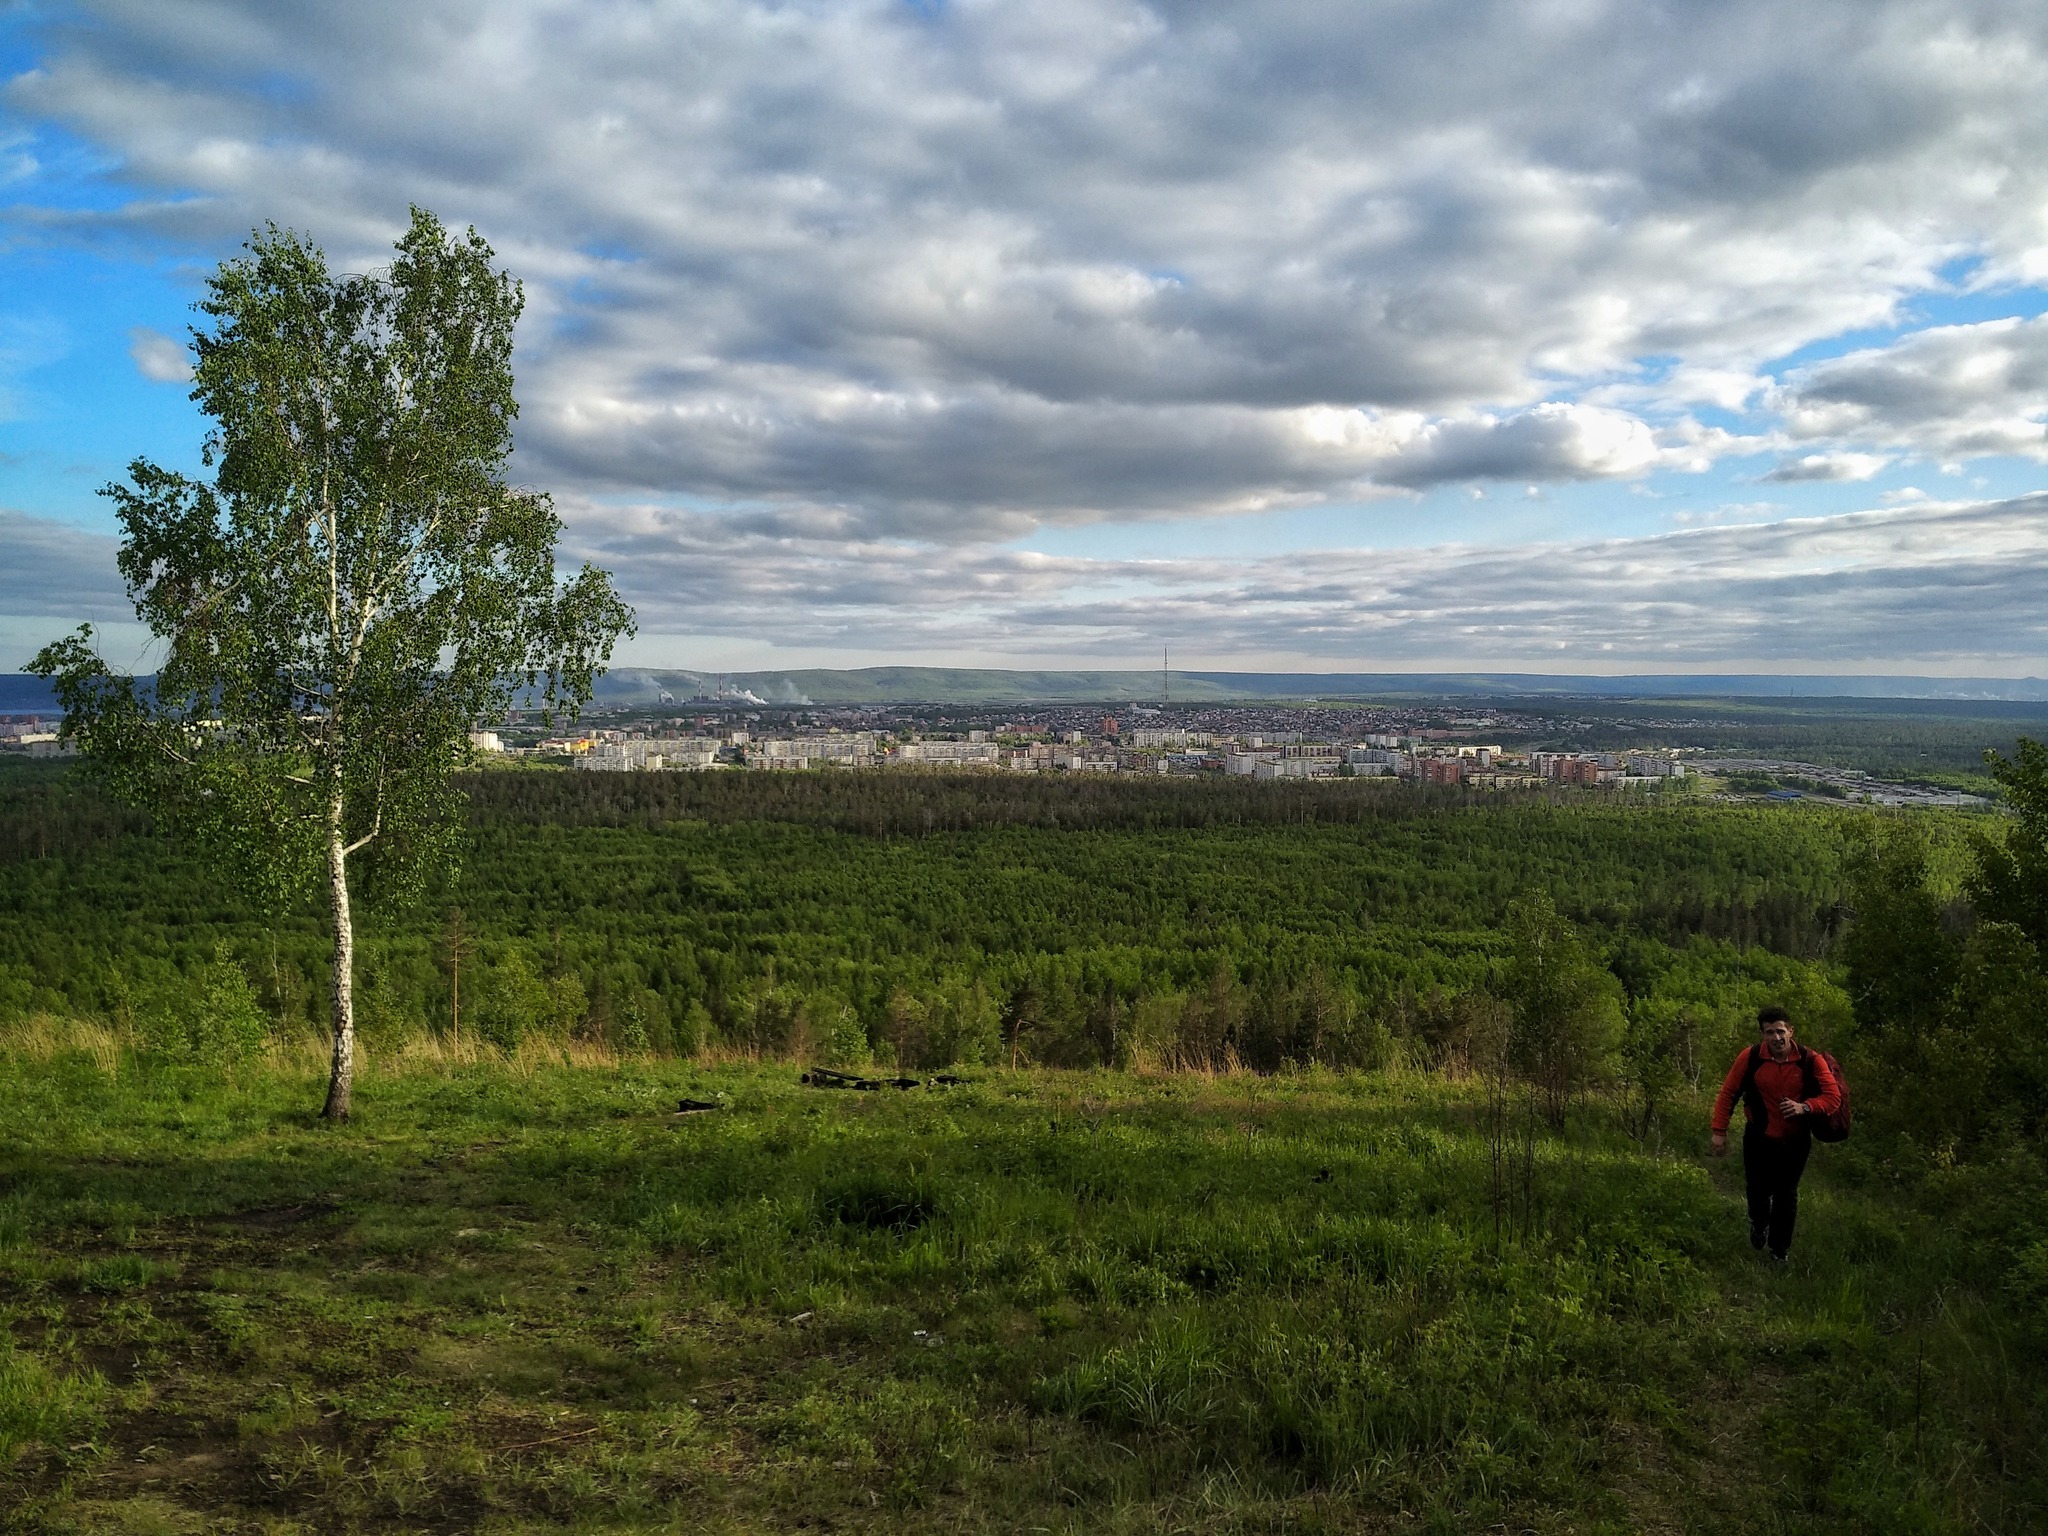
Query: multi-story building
column 691, row 752
column 951, row 753
column 1367, row 759
column 1651, row 765
column 1571, row 767
column 617, row 757
column 1296, row 766
column 641, row 753
column 853, row 751
column 1440, row 770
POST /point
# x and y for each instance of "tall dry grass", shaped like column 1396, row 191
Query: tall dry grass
column 46, row 1036
column 113, row 1047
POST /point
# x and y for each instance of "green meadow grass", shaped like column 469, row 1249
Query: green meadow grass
column 519, row 1299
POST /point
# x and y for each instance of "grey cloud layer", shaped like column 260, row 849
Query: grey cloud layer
column 1942, row 587
column 1954, row 392
column 958, row 270
column 1934, row 585
column 47, row 567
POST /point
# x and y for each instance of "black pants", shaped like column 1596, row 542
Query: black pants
column 1771, row 1167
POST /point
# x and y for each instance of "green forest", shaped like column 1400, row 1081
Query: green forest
column 929, row 920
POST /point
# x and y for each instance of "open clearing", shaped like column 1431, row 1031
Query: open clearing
column 510, row 1299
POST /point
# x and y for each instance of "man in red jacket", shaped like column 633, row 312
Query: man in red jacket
column 1781, row 1084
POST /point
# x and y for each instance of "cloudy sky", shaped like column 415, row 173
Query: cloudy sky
column 1566, row 336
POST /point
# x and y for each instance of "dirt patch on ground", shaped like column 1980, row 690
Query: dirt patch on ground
column 274, row 1217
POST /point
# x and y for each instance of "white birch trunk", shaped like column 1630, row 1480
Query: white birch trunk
column 343, row 1078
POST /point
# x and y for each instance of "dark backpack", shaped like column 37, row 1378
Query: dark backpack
column 1829, row 1127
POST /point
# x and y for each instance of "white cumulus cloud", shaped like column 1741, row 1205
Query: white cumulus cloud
column 158, row 357
column 1828, row 466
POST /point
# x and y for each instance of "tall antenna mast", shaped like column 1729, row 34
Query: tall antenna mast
column 1165, row 679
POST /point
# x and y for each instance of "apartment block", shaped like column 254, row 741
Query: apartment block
column 853, row 751
column 950, row 752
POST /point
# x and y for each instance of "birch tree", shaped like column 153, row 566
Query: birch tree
column 354, row 589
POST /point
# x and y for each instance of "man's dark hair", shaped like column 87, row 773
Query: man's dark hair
column 1772, row 1015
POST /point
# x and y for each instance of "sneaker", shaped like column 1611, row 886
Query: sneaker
column 1756, row 1235
column 1780, row 1260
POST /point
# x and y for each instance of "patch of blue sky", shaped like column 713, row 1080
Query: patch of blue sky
column 20, row 45
column 572, row 324
column 279, row 87
column 1924, row 311
column 48, row 173
column 1971, row 306
column 1989, row 479
column 78, row 409
column 581, row 296
column 54, row 171
column 42, row 165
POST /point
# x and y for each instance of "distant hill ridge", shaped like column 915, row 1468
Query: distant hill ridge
column 21, row 693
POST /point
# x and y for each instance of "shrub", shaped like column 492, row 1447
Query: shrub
column 846, row 1037
column 1567, row 1014
column 515, row 1001
column 688, row 1034
column 214, row 1017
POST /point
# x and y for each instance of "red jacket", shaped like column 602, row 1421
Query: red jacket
column 1777, row 1080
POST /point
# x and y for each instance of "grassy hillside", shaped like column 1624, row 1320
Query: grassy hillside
column 515, row 1296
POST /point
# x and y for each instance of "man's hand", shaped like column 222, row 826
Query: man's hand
column 1720, row 1144
column 1791, row 1109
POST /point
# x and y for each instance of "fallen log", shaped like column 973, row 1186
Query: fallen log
column 825, row 1077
